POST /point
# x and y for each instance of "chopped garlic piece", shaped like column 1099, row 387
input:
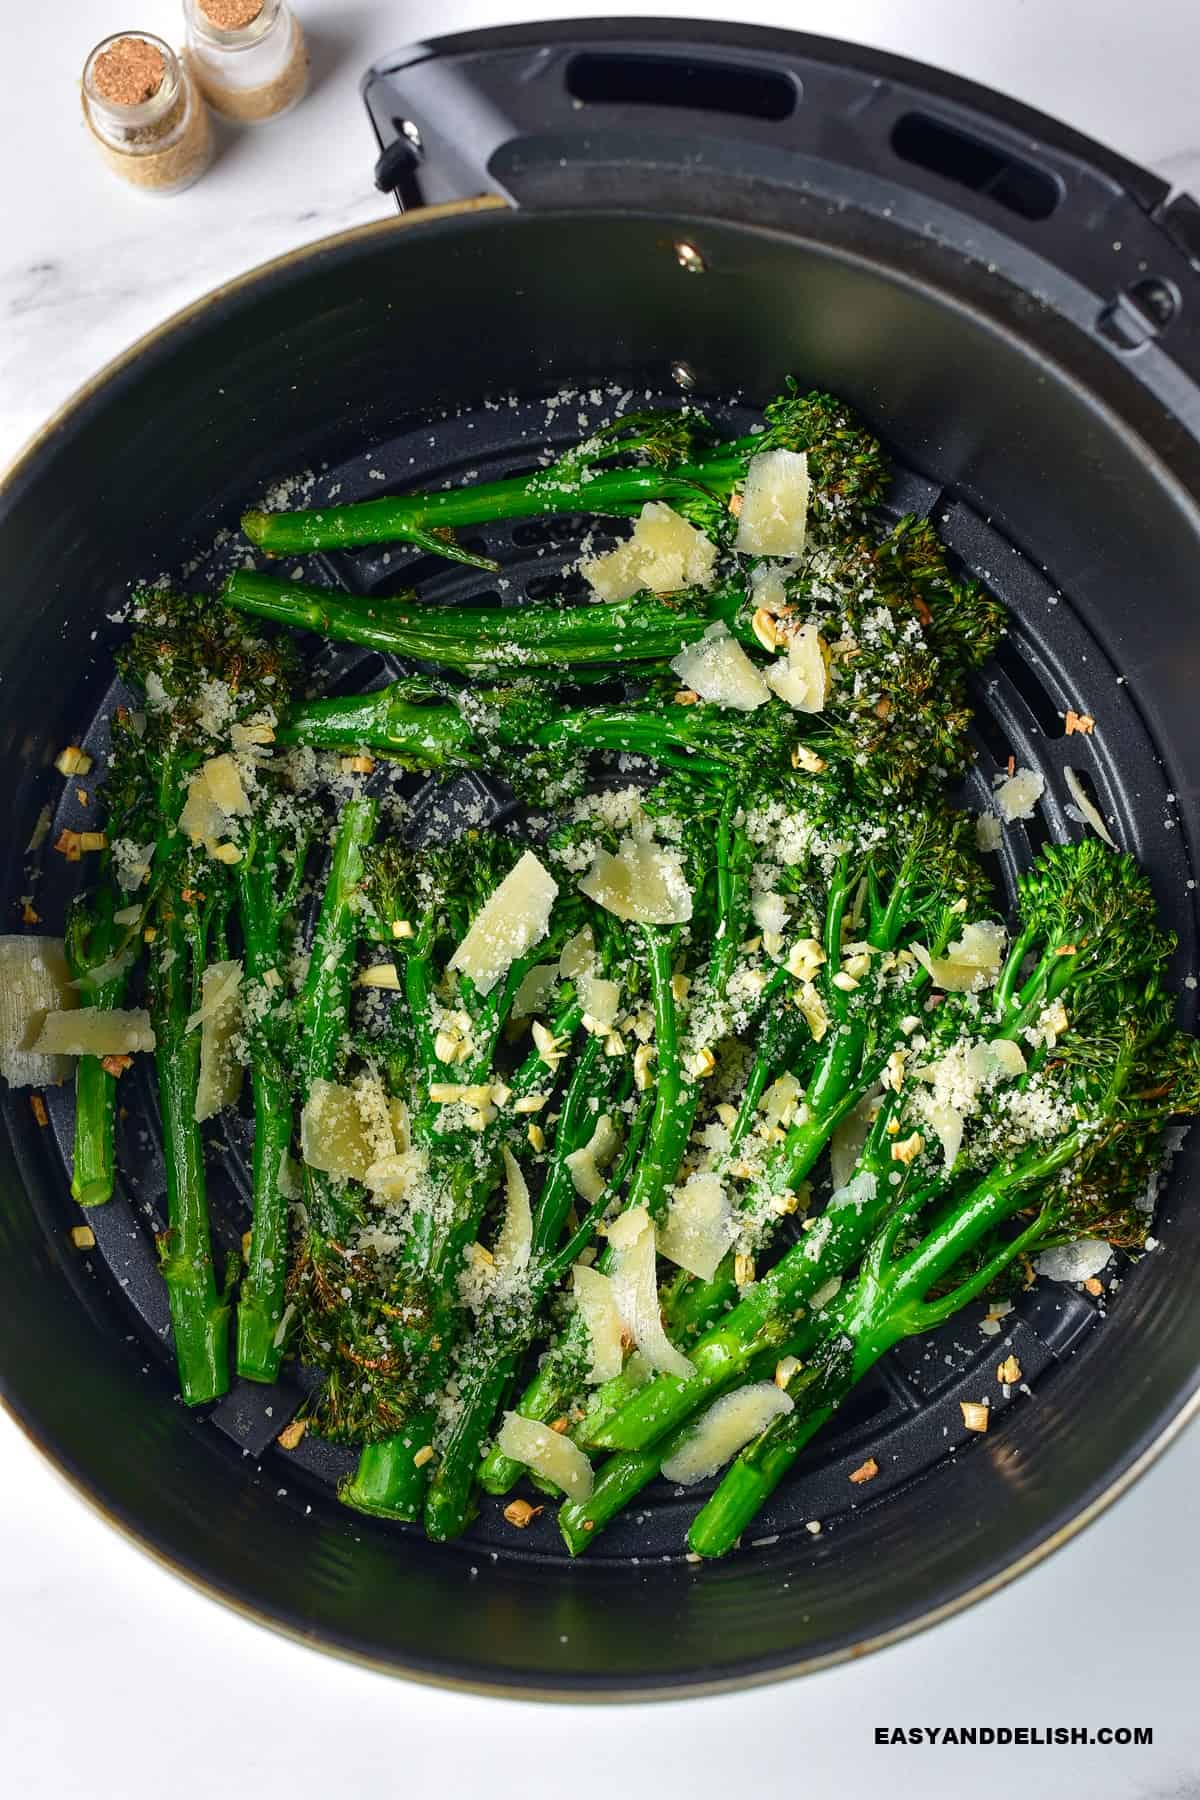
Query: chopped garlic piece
column 727, row 1427
column 718, row 669
column 813, row 1008
column 802, row 679
column 380, row 975
column 664, row 554
column 774, row 514
column 549, row 1453
column 644, row 882
column 224, row 783
column 508, row 924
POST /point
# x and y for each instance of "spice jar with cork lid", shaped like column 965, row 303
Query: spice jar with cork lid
column 145, row 114
column 248, row 57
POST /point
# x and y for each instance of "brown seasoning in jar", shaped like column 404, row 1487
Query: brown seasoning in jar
column 145, row 114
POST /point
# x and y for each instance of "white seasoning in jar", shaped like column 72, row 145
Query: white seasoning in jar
column 145, row 114
column 248, row 57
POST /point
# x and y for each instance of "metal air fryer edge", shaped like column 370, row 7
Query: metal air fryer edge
column 702, row 152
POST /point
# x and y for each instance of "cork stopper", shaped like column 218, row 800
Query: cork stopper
column 231, row 15
column 129, row 72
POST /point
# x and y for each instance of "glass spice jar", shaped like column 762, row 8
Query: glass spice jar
column 145, row 114
column 248, row 57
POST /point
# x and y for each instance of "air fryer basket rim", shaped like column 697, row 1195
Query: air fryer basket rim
column 1058, row 1530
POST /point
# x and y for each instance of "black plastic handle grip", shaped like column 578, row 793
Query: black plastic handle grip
column 654, row 114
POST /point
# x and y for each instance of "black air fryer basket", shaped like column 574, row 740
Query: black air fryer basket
column 683, row 209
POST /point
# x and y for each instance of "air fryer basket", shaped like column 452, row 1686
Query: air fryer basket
column 1011, row 308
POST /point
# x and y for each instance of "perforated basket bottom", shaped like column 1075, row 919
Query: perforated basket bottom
column 906, row 1414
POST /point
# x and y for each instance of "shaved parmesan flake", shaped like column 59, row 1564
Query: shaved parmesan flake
column 727, row 1427
column 1017, row 797
column 1087, row 807
column 699, row 1227
column 850, row 1136
column 601, row 1000
column 774, row 515
column 508, row 923
column 718, row 669
column 578, row 955
column 596, row 1298
column 201, row 819
column 664, row 554
column 92, row 1032
column 550, row 1454
column 988, row 835
column 516, row 1233
column 219, row 1018
column 1007, row 1056
column 587, row 1163
column 334, row 1134
column 535, row 990
column 802, row 678
column 971, row 962
column 947, row 1123
column 1074, row 1262
column 631, row 1237
column 34, row 980
column 642, row 882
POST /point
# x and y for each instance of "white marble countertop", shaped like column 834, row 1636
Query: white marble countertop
column 1102, row 1634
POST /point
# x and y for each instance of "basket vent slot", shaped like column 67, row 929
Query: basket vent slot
column 959, row 156
column 607, row 78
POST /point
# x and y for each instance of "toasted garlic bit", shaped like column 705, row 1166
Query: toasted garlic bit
column 549, row 1048
column 83, row 1237
column 530, row 1103
column 845, row 981
column 423, row 1455
column 785, row 1368
column 908, row 1149
column 703, row 1064
column 247, row 1237
column 1009, row 1372
column 536, row 1136
column 67, row 844
column 614, row 1044
column 451, row 1047
column 858, row 965
column 975, row 1416
column 116, row 1065
column 29, row 916
column 356, row 765
column 381, row 975
column 865, row 1472
column 680, row 987
column 521, row 1514
column 1093, row 1287
column 808, row 760
column 687, row 697
column 1083, row 723
column 37, row 1107
column 643, row 1056
column 727, row 1115
column 402, row 928
column 291, row 1434
column 805, row 958
column 743, row 1269
column 893, row 1072
column 73, row 761
column 226, row 853
column 766, row 630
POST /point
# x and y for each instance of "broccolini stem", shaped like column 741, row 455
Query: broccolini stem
column 199, row 1317
column 487, row 640
column 91, row 938
column 388, row 1482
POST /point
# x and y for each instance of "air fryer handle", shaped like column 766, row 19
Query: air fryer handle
column 655, row 114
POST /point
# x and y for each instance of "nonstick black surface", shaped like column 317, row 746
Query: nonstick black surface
column 1042, row 460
